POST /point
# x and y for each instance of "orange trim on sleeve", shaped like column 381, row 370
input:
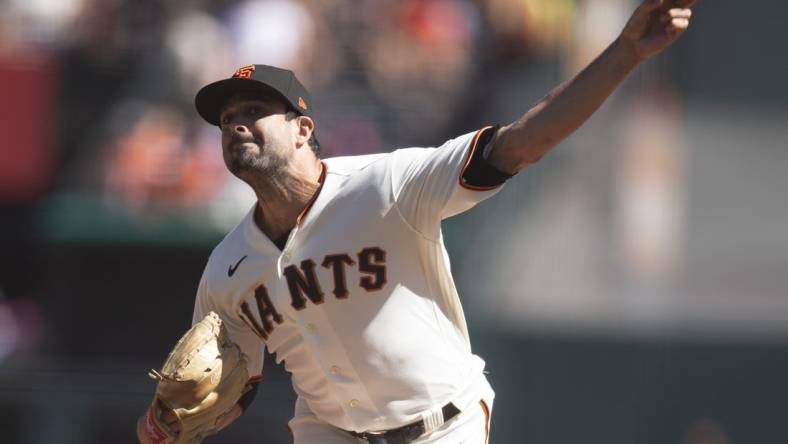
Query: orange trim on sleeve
column 471, row 151
column 311, row 202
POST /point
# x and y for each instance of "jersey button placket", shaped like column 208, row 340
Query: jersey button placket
column 284, row 259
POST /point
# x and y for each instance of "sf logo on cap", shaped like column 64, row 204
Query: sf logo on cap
column 244, row 72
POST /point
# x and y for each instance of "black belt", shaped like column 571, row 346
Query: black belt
column 407, row 433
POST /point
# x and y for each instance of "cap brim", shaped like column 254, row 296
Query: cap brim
column 212, row 97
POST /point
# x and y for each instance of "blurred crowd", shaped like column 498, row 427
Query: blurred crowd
column 99, row 92
column 97, row 101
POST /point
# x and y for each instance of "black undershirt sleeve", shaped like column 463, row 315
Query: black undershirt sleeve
column 479, row 172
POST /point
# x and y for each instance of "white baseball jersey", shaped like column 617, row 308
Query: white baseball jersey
column 360, row 304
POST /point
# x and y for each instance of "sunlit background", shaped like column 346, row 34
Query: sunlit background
column 632, row 287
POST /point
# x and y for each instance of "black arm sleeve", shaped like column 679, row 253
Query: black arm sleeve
column 479, row 172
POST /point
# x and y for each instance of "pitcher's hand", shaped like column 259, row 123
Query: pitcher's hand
column 654, row 25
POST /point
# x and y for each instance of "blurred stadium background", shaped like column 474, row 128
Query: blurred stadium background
column 632, row 287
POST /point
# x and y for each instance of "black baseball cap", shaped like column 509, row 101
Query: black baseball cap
column 264, row 79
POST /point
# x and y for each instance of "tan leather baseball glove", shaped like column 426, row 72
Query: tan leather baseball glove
column 201, row 380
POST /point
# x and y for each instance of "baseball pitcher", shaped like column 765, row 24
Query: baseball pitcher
column 339, row 269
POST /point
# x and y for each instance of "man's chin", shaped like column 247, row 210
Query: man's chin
column 240, row 166
column 248, row 163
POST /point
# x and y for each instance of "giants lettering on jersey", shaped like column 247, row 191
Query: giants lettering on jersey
column 303, row 284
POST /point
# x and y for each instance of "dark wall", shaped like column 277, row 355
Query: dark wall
column 126, row 301
column 734, row 53
column 553, row 390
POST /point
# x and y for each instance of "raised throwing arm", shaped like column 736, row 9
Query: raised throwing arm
column 654, row 25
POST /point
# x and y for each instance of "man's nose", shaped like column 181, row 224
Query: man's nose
column 237, row 129
column 241, row 129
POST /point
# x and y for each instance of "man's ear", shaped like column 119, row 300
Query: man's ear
column 305, row 127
